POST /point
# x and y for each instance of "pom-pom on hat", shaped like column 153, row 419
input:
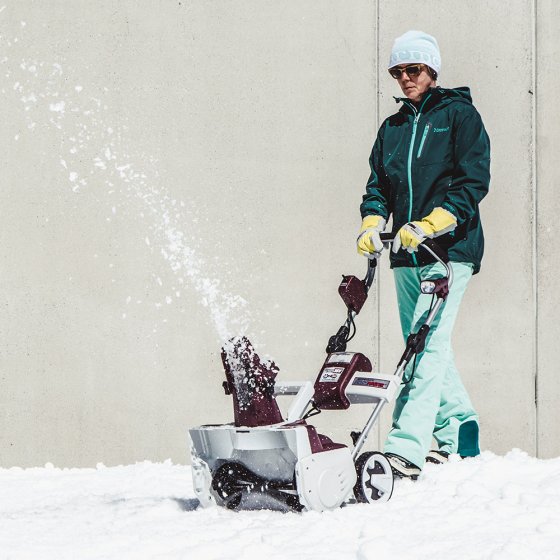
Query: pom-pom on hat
column 416, row 46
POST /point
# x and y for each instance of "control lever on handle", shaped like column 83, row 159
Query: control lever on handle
column 432, row 247
column 428, row 244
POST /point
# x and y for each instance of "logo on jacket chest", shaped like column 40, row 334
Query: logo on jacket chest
column 444, row 129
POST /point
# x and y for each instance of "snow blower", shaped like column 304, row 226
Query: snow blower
column 263, row 460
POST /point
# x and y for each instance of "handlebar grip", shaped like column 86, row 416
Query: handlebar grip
column 436, row 249
column 428, row 243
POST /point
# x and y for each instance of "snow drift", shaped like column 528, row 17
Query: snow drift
column 488, row 507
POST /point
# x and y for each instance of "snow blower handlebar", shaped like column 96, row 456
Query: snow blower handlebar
column 428, row 244
column 354, row 292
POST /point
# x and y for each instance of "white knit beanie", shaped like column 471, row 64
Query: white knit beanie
column 416, row 46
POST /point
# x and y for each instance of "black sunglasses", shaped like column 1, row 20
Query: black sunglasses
column 411, row 71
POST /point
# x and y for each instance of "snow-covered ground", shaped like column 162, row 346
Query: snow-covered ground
column 488, row 507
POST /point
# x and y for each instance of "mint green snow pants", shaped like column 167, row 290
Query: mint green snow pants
column 435, row 403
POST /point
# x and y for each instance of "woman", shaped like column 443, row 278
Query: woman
column 430, row 168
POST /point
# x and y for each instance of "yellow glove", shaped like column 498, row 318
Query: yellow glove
column 369, row 243
column 438, row 222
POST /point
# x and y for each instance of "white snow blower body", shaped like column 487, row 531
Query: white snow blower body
column 263, row 460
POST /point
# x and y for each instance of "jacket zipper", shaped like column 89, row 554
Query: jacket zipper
column 426, row 131
column 418, row 113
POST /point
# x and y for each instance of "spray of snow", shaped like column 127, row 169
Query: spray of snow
column 252, row 376
column 52, row 97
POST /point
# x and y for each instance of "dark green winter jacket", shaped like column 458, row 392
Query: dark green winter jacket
column 436, row 154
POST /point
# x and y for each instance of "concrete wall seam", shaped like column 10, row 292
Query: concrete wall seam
column 534, row 225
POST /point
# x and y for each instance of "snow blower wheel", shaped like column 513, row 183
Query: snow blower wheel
column 375, row 478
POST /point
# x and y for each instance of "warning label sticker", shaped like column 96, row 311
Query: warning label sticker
column 331, row 374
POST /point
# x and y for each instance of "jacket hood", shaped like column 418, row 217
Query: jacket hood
column 457, row 94
column 441, row 95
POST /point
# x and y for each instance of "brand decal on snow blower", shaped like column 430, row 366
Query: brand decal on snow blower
column 369, row 382
column 331, row 374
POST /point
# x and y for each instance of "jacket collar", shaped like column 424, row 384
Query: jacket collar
column 429, row 100
column 436, row 95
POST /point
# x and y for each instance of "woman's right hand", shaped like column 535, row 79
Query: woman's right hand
column 369, row 242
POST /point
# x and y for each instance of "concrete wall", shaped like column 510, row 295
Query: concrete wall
column 177, row 171
column 546, row 142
